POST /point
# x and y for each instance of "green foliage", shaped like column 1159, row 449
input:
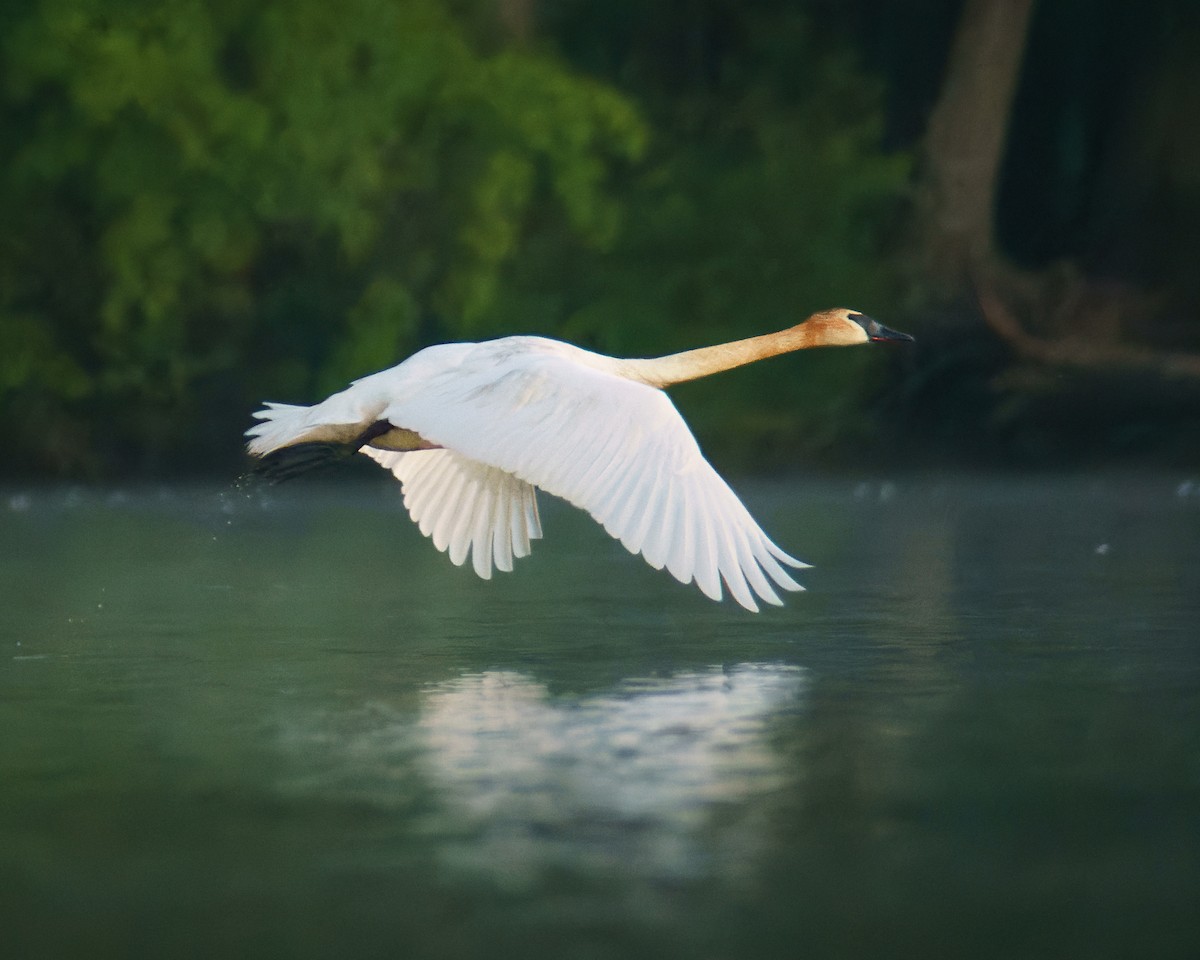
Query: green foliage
column 187, row 185
column 382, row 322
column 209, row 204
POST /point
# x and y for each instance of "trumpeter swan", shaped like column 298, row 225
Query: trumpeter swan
column 470, row 429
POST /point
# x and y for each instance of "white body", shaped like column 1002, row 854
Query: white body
column 517, row 413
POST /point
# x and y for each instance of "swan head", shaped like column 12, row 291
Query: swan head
column 846, row 328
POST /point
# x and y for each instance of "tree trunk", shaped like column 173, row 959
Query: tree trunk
column 516, row 19
column 965, row 142
column 1057, row 317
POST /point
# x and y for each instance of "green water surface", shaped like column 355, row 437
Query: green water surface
column 280, row 724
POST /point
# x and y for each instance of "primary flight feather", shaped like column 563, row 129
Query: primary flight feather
column 470, row 429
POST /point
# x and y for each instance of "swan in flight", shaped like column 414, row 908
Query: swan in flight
column 471, row 429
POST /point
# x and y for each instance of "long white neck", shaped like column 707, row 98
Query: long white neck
column 692, row 364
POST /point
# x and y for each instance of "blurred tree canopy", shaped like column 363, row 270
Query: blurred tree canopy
column 204, row 197
column 210, row 204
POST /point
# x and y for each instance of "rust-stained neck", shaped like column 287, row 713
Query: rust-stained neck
column 829, row 328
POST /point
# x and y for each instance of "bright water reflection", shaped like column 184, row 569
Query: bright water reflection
column 657, row 779
column 628, row 778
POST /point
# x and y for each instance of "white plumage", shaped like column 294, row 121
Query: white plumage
column 483, row 424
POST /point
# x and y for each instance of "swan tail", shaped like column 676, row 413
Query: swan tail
column 279, row 425
column 290, row 440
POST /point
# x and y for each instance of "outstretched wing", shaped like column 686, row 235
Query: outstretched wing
column 464, row 505
column 553, row 417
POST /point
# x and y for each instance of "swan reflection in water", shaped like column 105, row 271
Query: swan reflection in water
column 625, row 782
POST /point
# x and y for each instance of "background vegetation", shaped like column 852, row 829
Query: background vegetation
column 209, row 204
